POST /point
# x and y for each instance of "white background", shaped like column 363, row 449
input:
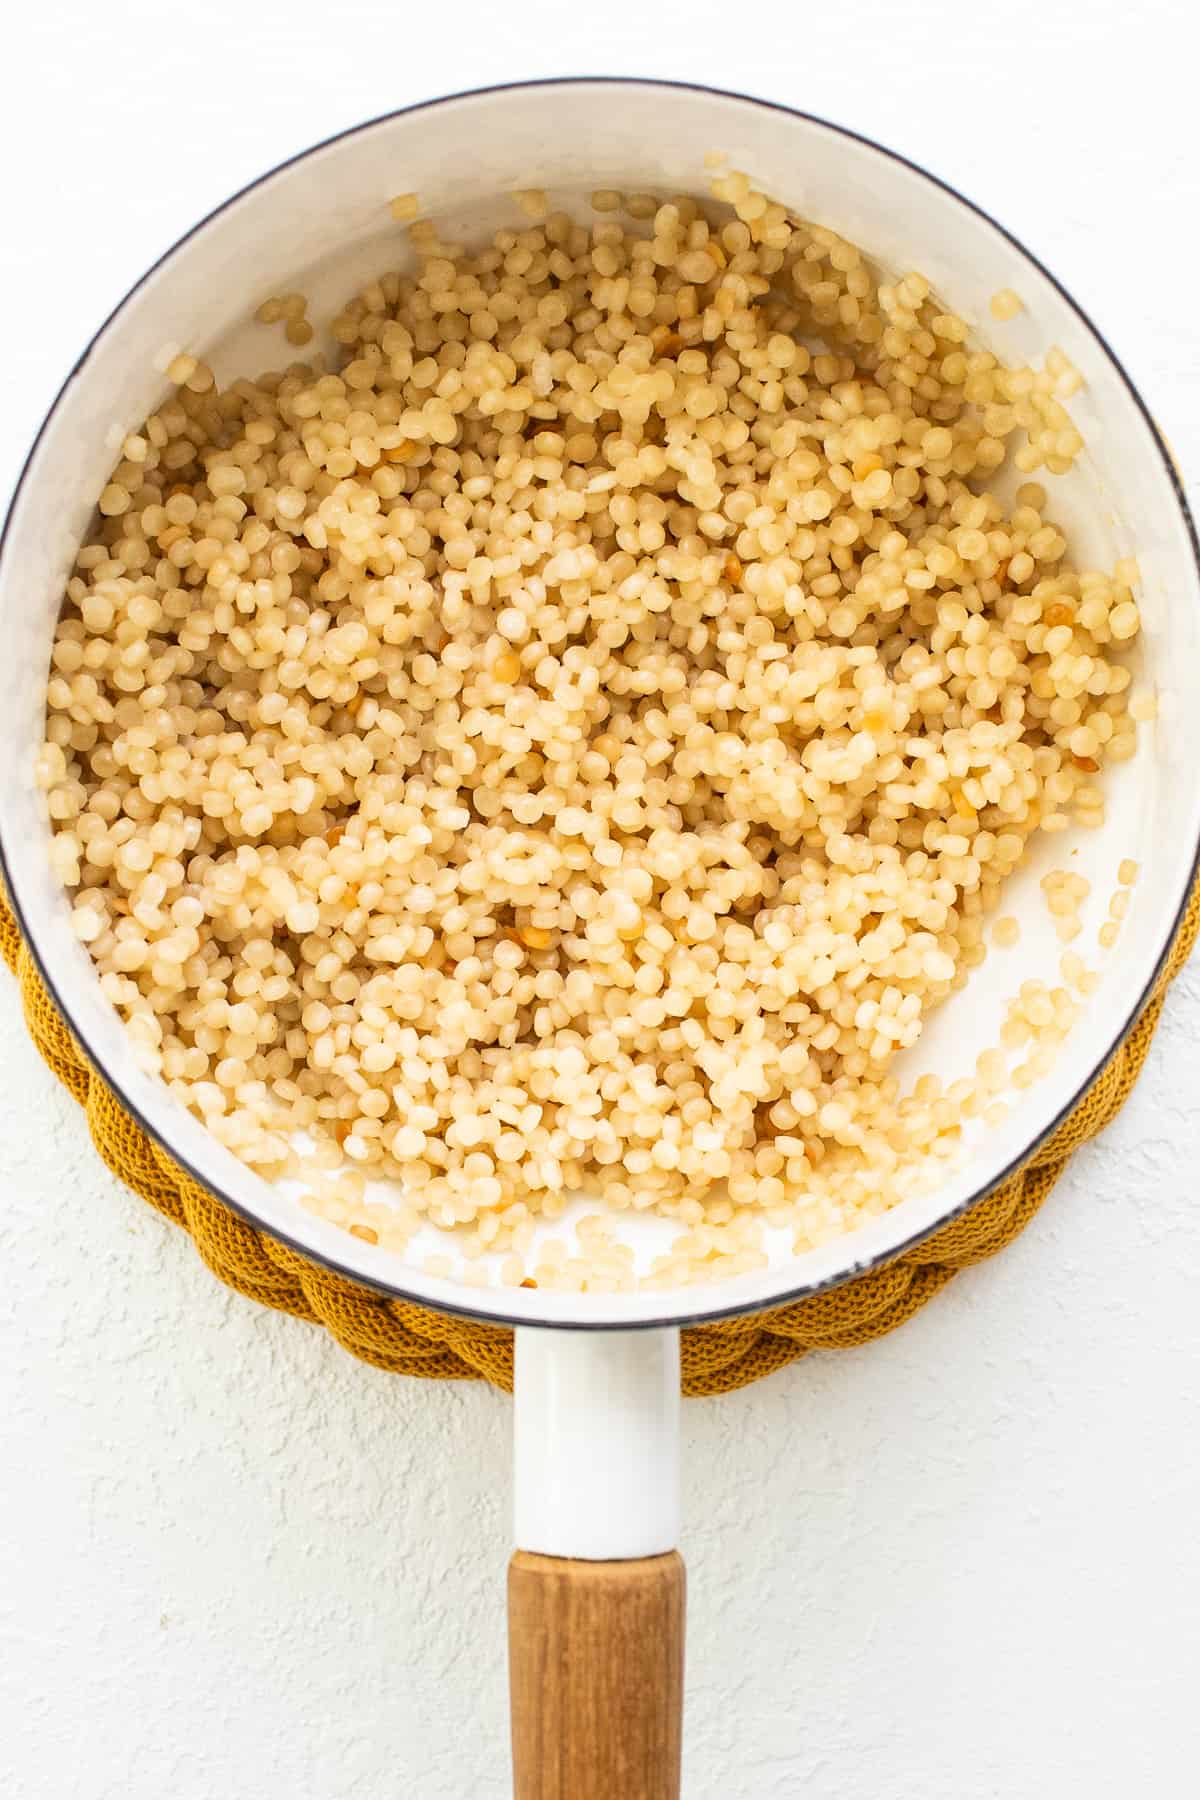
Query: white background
column 961, row 1563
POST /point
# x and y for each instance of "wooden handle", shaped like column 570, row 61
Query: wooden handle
column 595, row 1656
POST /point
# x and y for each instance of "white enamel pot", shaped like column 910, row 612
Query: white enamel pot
column 596, row 1627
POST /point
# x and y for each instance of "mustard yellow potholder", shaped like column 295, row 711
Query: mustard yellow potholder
column 409, row 1340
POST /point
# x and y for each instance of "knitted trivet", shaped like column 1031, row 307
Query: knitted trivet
column 395, row 1335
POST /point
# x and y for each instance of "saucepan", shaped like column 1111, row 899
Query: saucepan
column 596, row 1584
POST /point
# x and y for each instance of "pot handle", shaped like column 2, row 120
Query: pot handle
column 596, row 1587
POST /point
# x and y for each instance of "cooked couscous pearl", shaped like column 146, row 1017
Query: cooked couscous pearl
column 532, row 202
column 1005, row 304
column 576, row 743
column 1072, row 968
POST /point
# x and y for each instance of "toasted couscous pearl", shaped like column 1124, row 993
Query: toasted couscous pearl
column 576, row 741
column 1005, row 304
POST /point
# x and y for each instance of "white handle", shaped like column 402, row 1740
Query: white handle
column 596, row 1444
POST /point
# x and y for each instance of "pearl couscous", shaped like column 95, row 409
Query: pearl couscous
column 573, row 740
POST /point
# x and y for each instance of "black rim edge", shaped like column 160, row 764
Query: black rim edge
column 861, row 1266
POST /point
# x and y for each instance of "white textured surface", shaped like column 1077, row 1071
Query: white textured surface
column 962, row 1563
